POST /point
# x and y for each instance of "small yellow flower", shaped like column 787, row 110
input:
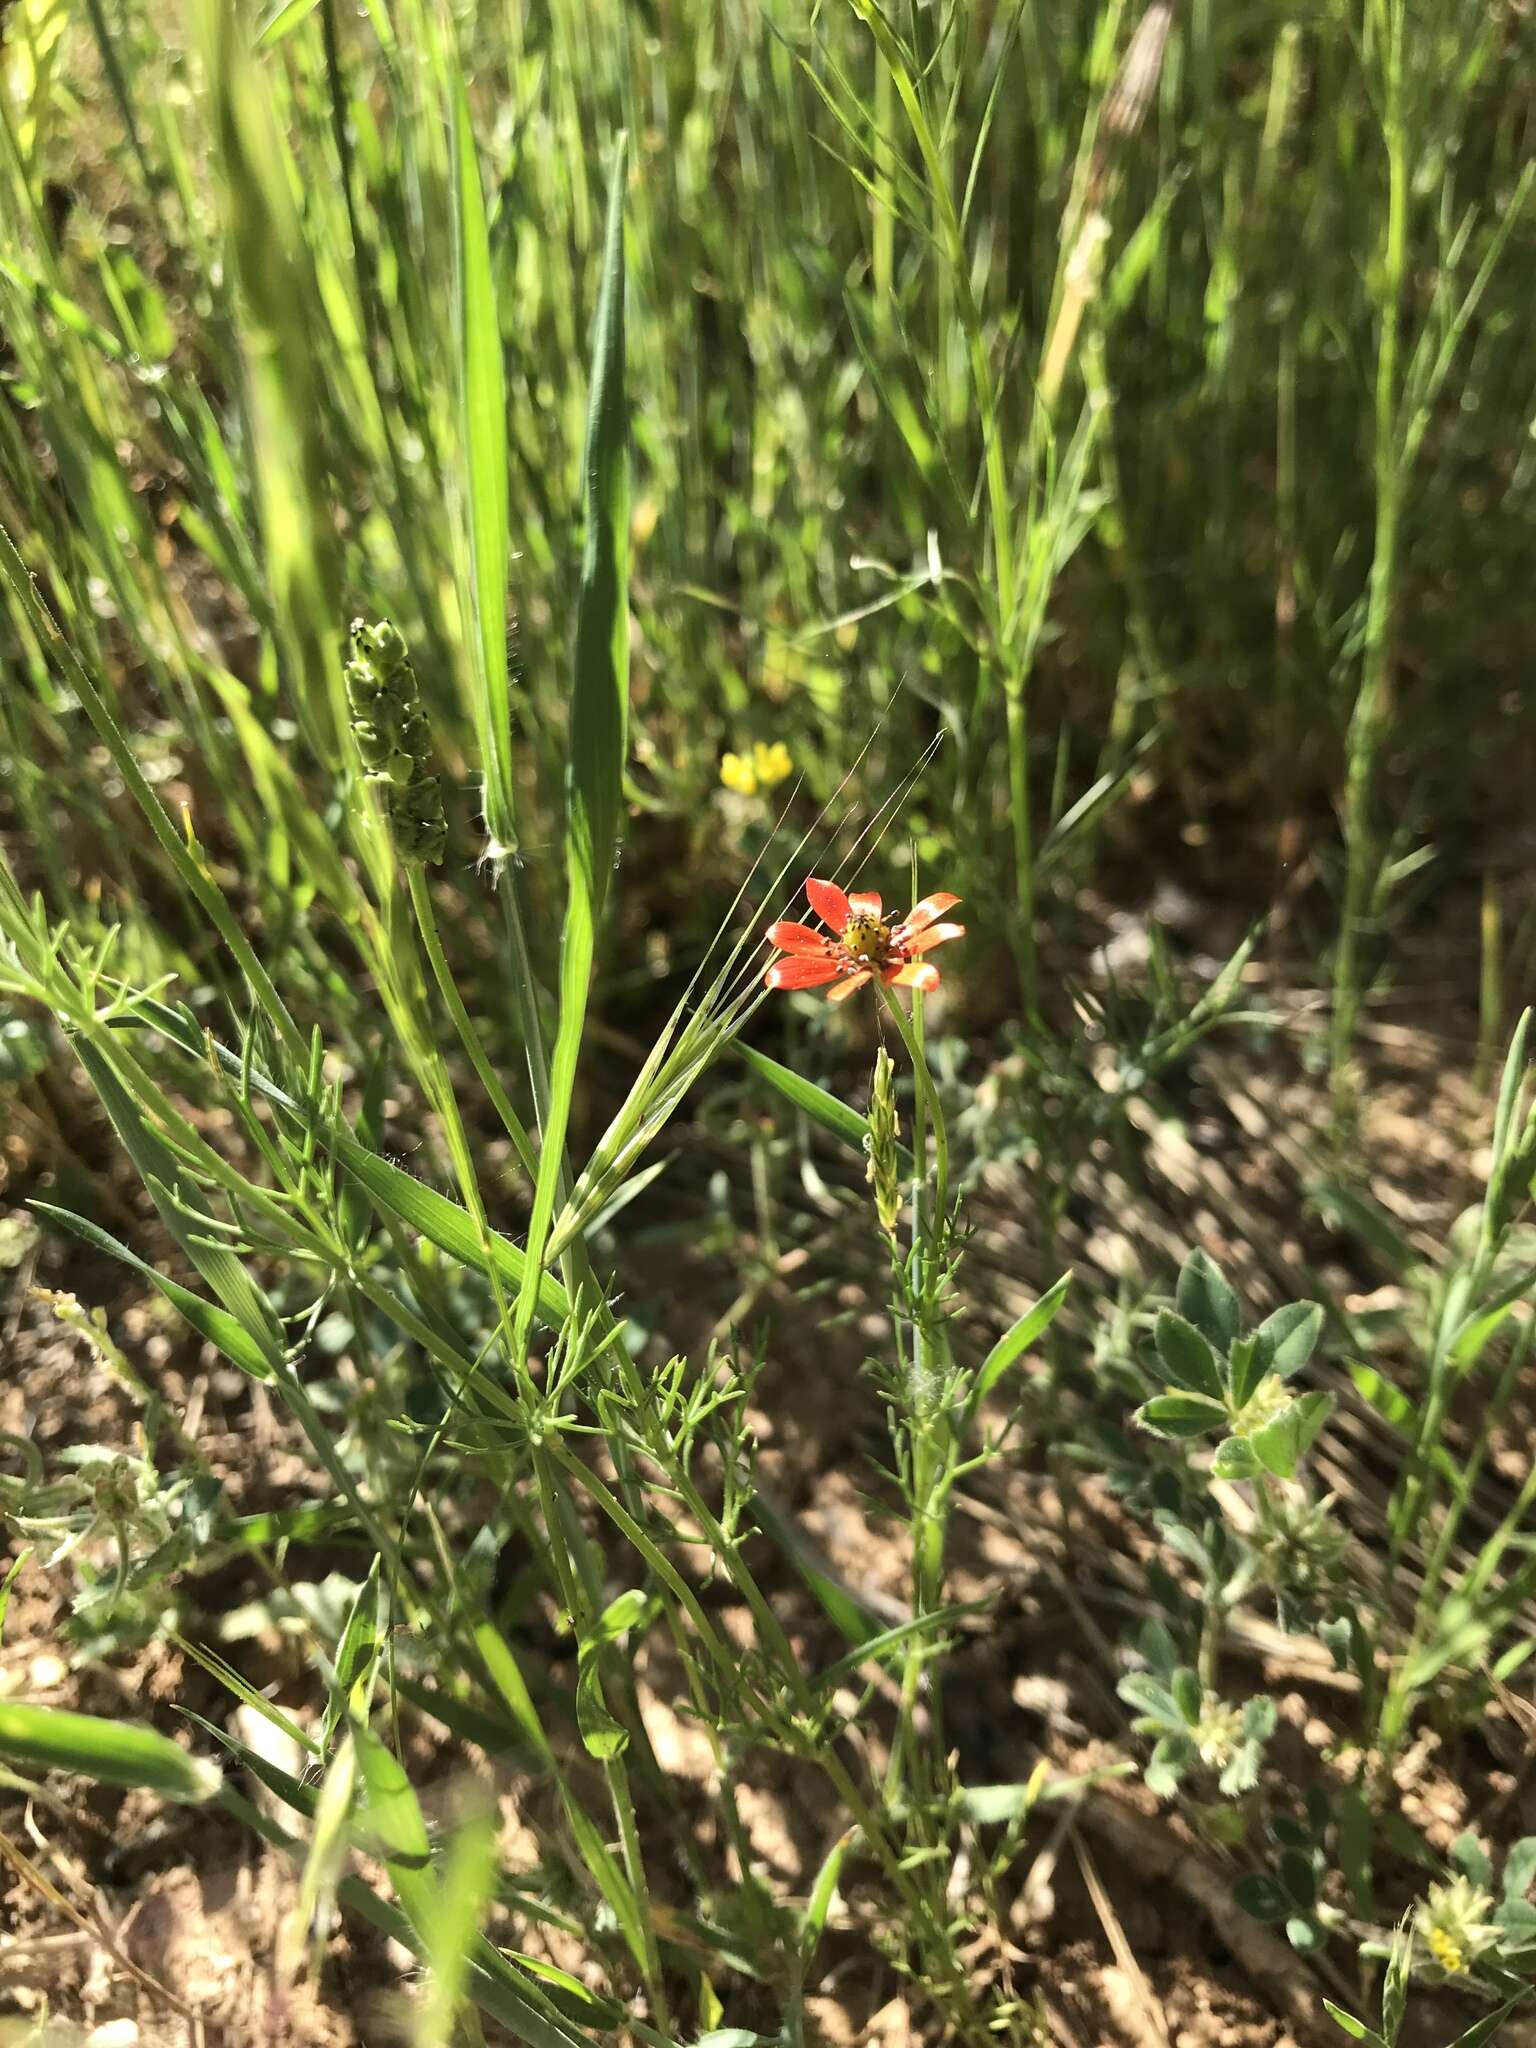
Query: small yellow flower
column 738, row 774
column 755, row 773
column 772, row 764
column 1446, row 1951
column 642, row 521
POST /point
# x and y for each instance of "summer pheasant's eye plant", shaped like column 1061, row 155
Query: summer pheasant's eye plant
column 933, row 1396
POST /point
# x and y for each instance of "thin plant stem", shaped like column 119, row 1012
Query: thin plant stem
column 1368, row 719
column 469, row 1037
column 925, row 1419
column 932, row 1107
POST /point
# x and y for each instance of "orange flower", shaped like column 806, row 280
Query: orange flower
column 863, row 944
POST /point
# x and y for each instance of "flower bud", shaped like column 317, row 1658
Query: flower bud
column 883, row 1171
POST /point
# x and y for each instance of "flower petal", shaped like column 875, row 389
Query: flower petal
column 845, row 989
column 916, row 974
column 792, row 973
column 935, row 935
column 797, row 938
column 829, row 903
column 864, row 902
column 924, row 913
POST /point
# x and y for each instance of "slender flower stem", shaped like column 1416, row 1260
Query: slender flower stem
column 926, row 1418
column 928, row 1096
column 469, row 1038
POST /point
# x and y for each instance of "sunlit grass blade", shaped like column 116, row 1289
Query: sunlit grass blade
column 276, row 276
column 391, row 1812
column 1029, row 1328
column 599, row 700
column 308, row 1921
column 483, row 412
column 448, row 1934
column 358, row 1656
column 818, row 1103
column 109, row 1752
column 183, row 1208
column 221, row 1329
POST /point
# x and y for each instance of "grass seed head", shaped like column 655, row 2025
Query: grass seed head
column 394, row 738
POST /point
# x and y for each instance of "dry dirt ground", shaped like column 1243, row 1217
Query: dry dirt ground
column 124, row 1921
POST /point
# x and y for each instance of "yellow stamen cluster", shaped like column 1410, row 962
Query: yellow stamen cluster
column 867, row 940
column 755, row 773
column 1446, row 1950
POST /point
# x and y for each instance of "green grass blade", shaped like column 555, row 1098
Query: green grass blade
column 1031, row 1325
column 298, row 1795
column 483, row 409
column 357, row 1656
column 393, row 1814
column 283, row 21
column 329, row 1840
column 888, row 1639
column 510, row 1683
column 817, row 1104
column 215, row 1324
column 595, row 770
column 600, row 703
column 109, row 1752
column 449, row 1226
column 225, row 1674
column 499, row 1739
column 813, row 1920
column 450, row 1928
column 180, row 1203
column 6, row 1584
column 855, row 1622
